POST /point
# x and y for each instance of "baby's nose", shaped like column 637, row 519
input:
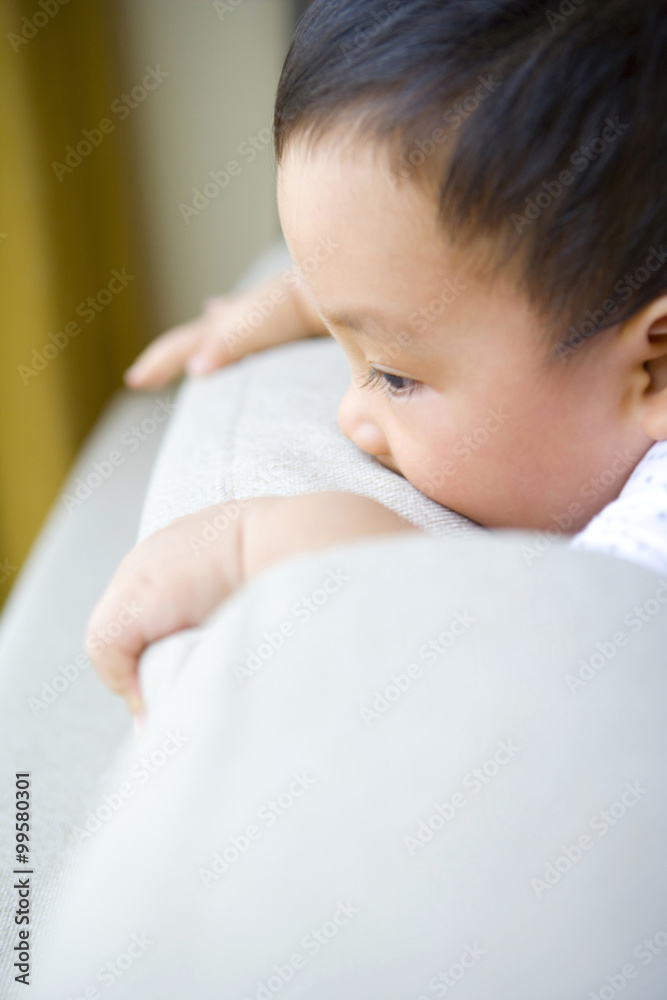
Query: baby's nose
column 357, row 425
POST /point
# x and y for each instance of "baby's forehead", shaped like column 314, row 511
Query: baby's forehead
column 352, row 201
column 335, row 182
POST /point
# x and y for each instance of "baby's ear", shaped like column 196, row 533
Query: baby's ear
column 654, row 401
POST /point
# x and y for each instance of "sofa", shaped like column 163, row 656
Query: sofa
column 410, row 767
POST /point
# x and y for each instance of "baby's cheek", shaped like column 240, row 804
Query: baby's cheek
column 432, row 471
column 465, row 472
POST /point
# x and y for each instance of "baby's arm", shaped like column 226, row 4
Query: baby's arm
column 172, row 579
column 230, row 326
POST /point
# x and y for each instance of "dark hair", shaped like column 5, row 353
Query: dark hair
column 563, row 169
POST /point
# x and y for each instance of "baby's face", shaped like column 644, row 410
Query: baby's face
column 464, row 400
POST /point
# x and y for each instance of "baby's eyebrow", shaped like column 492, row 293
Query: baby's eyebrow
column 390, row 331
column 360, row 321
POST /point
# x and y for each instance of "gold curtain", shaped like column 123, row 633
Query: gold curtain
column 74, row 286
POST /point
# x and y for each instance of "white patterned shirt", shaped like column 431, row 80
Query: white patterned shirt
column 634, row 526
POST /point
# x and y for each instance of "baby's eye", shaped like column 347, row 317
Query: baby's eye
column 394, row 385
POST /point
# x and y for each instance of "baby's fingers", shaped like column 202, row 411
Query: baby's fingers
column 114, row 642
column 118, row 670
column 166, row 357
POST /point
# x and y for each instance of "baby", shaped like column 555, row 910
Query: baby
column 488, row 178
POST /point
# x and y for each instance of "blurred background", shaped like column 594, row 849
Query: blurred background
column 136, row 177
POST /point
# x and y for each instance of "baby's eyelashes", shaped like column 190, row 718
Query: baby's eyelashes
column 393, row 385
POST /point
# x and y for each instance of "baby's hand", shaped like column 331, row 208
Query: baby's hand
column 229, row 327
column 174, row 578
column 169, row 581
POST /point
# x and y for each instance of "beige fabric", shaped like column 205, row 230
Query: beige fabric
column 460, row 815
column 66, row 734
